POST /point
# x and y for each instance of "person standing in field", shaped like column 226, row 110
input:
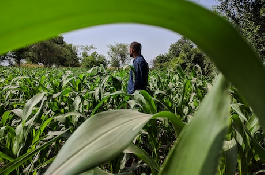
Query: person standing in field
column 139, row 74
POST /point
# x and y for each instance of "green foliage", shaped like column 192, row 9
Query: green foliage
column 186, row 54
column 83, row 92
column 53, row 52
column 94, row 60
column 51, row 100
column 249, row 17
column 119, row 54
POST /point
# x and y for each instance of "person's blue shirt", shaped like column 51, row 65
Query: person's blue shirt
column 139, row 76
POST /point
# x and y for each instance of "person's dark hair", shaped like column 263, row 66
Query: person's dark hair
column 137, row 47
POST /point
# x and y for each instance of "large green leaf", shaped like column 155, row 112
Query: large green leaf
column 97, row 140
column 198, row 147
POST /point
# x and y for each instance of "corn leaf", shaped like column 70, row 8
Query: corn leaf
column 91, row 143
column 177, row 123
column 20, row 160
column 30, row 104
column 149, row 102
column 144, row 156
column 96, row 171
column 207, row 131
column 230, row 151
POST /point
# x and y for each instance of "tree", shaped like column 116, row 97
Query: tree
column 4, row 56
column 249, row 17
column 183, row 45
column 185, row 54
column 94, row 59
column 70, row 55
column 20, row 54
column 161, row 61
column 119, row 54
column 84, row 50
column 54, row 51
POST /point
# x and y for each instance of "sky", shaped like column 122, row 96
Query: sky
column 154, row 40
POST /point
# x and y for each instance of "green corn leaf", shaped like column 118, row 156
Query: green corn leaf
column 144, row 156
column 43, row 164
column 76, row 103
column 177, row 123
column 149, row 101
column 62, row 118
column 18, row 78
column 180, row 71
column 236, row 107
column 66, row 91
column 5, row 156
column 41, row 129
column 91, row 143
column 141, row 101
column 20, row 160
column 6, row 153
column 4, row 118
column 230, row 151
column 66, row 81
column 96, row 171
column 30, row 104
column 207, row 131
column 239, row 129
column 18, row 112
column 107, row 97
column 184, row 91
column 257, row 147
column 253, row 124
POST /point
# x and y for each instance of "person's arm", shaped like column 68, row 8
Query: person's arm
column 137, row 73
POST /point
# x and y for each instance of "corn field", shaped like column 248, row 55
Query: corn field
column 41, row 108
column 74, row 121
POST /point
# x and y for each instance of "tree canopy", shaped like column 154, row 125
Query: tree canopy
column 249, row 17
column 94, row 59
column 54, row 51
column 119, row 54
column 186, row 54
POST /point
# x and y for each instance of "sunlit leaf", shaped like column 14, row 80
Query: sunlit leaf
column 91, row 143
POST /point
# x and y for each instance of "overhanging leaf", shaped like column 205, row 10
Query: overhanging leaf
column 91, row 143
column 207, row 131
